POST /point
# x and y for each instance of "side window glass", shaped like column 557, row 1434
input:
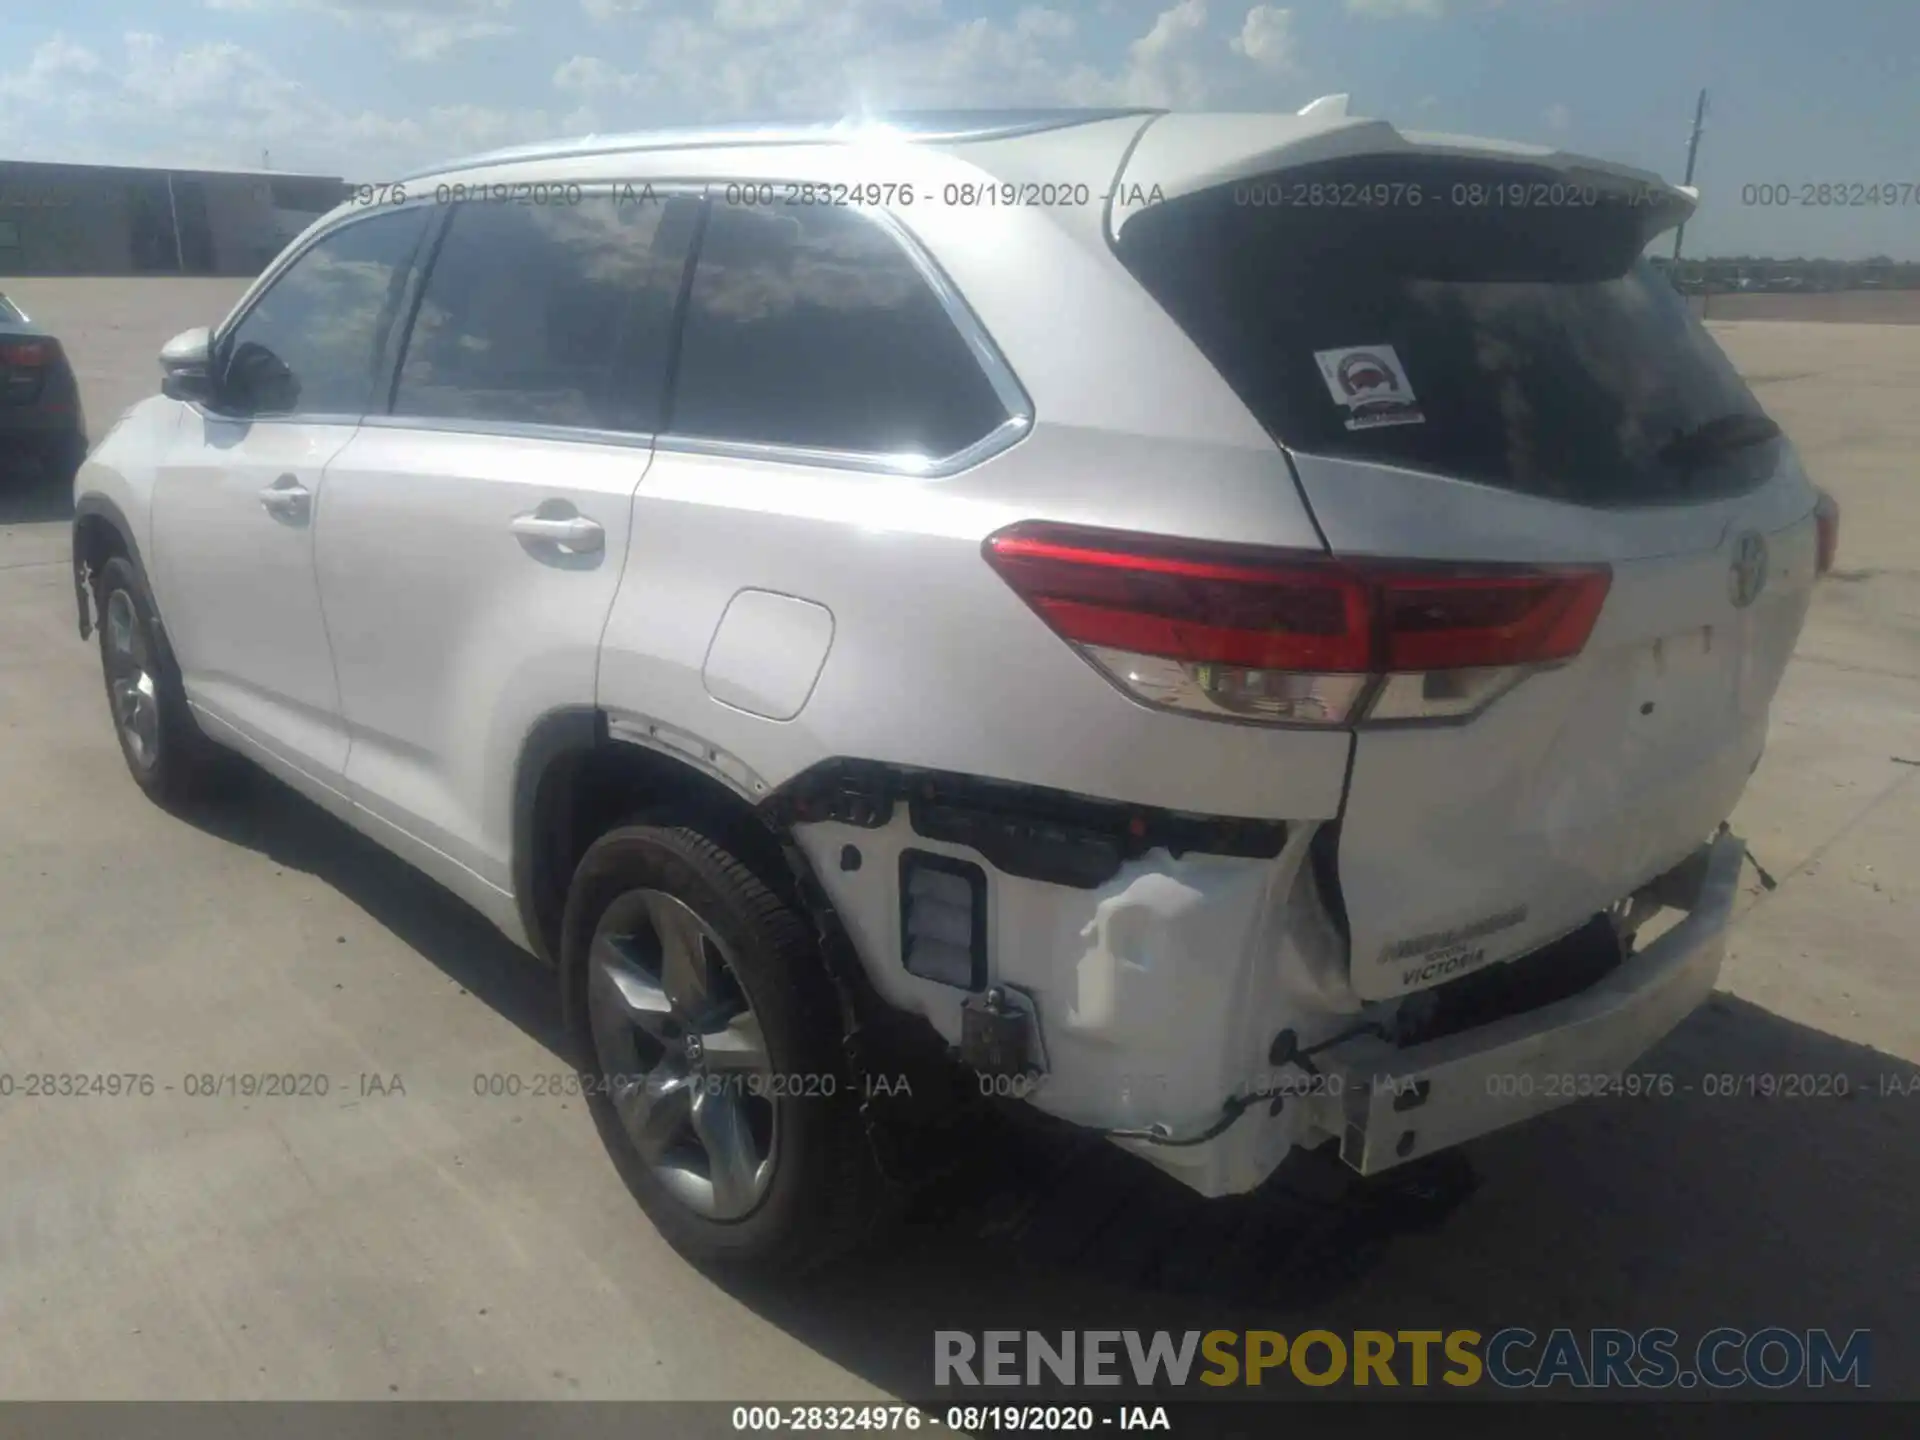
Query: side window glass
column 810, row 326
column 310, row 344
column 550, row 315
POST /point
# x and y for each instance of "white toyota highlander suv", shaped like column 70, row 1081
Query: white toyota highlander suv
column 1239, row 631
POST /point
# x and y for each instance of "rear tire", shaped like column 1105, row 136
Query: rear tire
column 716, row 1072
column 165, row 752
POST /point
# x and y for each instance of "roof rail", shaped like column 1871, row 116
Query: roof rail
column 1333, row 107
column 923, row 126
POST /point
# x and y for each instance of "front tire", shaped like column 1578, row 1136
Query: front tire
column 165, row 752
column 718, row 1080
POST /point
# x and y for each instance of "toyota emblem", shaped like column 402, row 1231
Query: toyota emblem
column 1748, row 575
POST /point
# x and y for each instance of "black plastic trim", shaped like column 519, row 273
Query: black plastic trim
column 976, row 878
column 1029, row 831
column 576, row 730
column 1574, row 963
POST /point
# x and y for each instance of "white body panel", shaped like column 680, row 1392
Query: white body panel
column 1462, row 846
column 767, row 652
column 241, row 605
column 452, row 634
column 121, row 468
column 935, row 663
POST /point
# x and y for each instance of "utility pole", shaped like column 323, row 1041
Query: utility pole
column 1693, row 150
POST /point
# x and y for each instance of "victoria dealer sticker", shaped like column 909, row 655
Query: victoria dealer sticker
column 1443, row 954
column 1371, row 384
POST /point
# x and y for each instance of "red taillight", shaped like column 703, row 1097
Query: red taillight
column 1826, row 516
column 25, row 352
column 1245, row 625
column 1191, row 602
column 1453, row 621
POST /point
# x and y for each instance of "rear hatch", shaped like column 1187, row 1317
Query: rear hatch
column 1469, row 360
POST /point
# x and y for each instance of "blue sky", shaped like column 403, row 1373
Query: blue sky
column 1801, row 91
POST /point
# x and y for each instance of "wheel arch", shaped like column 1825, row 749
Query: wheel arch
column 101, row 530
column 575, row 780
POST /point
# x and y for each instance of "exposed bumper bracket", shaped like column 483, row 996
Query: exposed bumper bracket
column 997, row 1035
column 1399, row 1104
column 82, row 598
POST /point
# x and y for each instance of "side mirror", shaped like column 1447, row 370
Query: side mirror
column 258, row 382
column 186, row 366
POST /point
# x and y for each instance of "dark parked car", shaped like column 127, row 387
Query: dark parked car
column 40, row 417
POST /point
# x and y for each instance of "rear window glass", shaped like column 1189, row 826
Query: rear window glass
column 1491, row 323
column 811, row 327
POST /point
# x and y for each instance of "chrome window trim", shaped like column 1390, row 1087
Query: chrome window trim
column 291, row 256
column 1000, row 438
column 289, row 417
column 511, row 430
column 989, row 445
column 262, row 287
column 1012, row 395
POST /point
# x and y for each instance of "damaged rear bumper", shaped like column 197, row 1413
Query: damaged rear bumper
column 1196, row 1007
column 1399, row 1104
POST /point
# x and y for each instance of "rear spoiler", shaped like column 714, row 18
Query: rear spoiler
column 1181, row 155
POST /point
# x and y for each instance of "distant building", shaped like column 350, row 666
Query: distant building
column 126, row 220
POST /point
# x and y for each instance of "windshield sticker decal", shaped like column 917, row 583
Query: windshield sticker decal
column 1372, row 384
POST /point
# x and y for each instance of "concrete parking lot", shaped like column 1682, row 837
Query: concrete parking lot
column 427, row 1241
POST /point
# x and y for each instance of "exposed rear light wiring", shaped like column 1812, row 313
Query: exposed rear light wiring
column 1285, row 1050
column 1295, row 637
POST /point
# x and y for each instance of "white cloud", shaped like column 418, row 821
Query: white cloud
column 892, row 54
column 1170, row 29
column 1163, row 66
column 588, row 75
column 1037, row 22
column 1266, row 37
column 54, row 64
column 756, row 14
column 1389, row 8
column 1558, row 117
column 145, row 99
column 219, row 103
column 419, row 29
column 605, row 10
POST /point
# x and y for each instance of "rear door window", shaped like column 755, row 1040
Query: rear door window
column 549, row 315
column 1486, row 322
column 810, row 326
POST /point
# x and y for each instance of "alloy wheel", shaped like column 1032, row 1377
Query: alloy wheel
column 130, row 683
column 682, row 1054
